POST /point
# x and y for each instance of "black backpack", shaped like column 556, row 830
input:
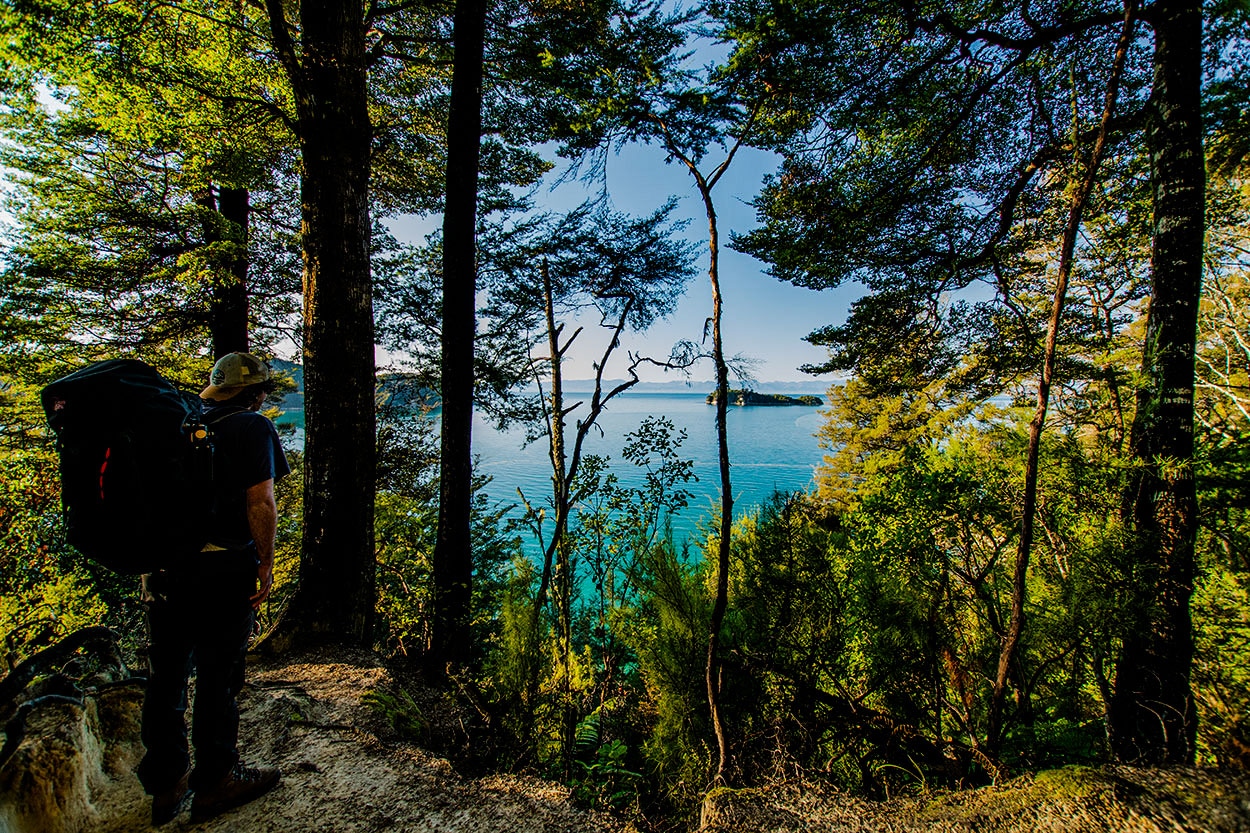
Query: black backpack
column 136, row 465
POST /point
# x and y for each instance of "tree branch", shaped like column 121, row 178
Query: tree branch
column 285, row 45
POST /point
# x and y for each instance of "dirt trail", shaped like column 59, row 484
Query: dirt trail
column 341, row 772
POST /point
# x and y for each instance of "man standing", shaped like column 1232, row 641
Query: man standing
column 200, row 614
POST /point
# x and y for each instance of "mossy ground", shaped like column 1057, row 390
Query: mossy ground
column 1075, row 799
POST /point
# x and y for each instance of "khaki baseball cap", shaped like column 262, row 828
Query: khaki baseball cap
column 232, row 373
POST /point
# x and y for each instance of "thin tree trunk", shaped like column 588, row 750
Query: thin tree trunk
column 1151, row 715
column 555, row 555
column 564, row 469
column 451, row 640
column 228, row 310
column 561, row 485
column 559, row 477
column 556, row 454
column 1015, row 627
column 721, row 602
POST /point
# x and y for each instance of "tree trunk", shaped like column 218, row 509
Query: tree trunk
column 228, row 312
column 1151, row 716
column 560, row 478
column 336, row 594
column 451, row 642
column 557, row 569
column 721, row 603
column 230, row 304
column 559, row 474
column 560, row 501
column 561, row 487
column 1007, row 653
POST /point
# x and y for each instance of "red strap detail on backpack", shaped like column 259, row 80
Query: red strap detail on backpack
column 103, row 468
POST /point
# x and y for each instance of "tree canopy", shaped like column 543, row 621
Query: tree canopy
column 1027, row 545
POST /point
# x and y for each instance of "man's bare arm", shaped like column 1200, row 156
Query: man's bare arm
column 262, row 520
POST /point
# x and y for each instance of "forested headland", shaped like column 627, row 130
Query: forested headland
column 1029, row 545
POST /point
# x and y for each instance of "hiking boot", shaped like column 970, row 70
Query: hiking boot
column 165, row 805
column 238, row 787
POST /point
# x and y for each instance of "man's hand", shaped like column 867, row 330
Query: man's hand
column 264, row 578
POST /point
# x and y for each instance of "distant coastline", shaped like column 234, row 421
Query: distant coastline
column 743, row 398
column 401, row 389
column 802, row 386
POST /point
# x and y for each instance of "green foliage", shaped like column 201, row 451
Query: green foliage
column 639, row 630
column 887, row 613
column 157, row 108
column 1223, row 415
column 1221, row 673
column 405, row 514
column 866, row 433
column 917, row 142
column 47, row 589
column 606, row 781
column 400, row 712
column 405, row 536
column 405, row 517
column 513, row 648
column 624, row 536
column 289, row 496
column 667, row 632
column 786, row 627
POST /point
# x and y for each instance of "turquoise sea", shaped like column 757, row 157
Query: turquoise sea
column 771, row 449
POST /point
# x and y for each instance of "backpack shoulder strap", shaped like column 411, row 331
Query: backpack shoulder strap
column 223, row 416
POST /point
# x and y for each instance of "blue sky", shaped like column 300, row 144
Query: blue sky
column 764, row 319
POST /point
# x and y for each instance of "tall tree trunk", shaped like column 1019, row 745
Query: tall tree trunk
column 1151, row 715
column 451, row 642
column 559, row 546
column 559, row 470
column 228, row 311
column 1015, row 627
column 721, row 602
column 561, row 485
column 336, row 594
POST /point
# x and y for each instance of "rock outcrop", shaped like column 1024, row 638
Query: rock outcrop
column 64, row 776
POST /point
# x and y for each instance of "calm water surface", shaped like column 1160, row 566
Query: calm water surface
column 770, row 449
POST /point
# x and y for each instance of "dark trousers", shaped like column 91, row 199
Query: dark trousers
column 201, row 621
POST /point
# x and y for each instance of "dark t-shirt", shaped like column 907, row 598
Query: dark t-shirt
column 246, row 451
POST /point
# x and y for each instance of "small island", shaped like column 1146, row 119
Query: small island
column 750, row 397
